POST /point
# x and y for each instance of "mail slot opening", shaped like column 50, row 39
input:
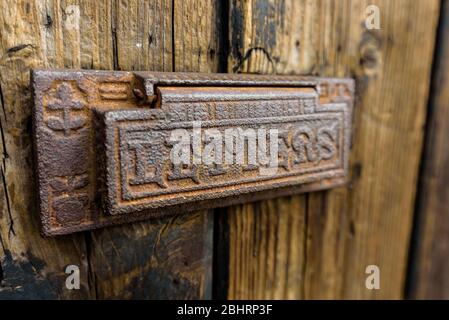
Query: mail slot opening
column 207, row 143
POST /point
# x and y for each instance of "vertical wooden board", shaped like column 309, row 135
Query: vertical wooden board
column 430, row 259
column 272, row 36
column 371, row 219
column 197, row 37
column 121, row 258
column 38, row 34
column 266, row 242
column 142, row 34
column 325, row 244
column 170, row 258
column 76, row 34
column 387, row 144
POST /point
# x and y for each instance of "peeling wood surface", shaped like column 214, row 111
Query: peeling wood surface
column 163, row 258
column 334, row 235
column 429, row 278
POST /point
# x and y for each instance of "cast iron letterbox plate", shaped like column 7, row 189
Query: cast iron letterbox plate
column 105, row 142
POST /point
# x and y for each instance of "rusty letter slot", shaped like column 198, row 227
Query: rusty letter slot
column 116, row 147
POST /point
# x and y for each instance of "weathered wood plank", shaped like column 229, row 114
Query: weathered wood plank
column 33, row 34
column 370, row 221
column 169, row 258
column 327, row 232
column 266, row 242
column 122, row 258
column 197, row 42
column 142, row 33
column 429, row 278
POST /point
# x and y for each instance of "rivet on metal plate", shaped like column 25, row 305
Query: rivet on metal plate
column 116, row 147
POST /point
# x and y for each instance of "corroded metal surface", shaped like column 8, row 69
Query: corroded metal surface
column 102, row 141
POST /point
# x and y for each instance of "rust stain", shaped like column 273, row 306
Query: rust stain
column 103, row 151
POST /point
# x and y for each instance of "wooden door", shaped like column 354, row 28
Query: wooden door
column 308, row 246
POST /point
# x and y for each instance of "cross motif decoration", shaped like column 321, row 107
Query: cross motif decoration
column 67, row 103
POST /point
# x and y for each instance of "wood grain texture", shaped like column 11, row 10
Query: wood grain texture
column 306, row 246
column 31, row 266
column 197, row 35
column 169, row 258
column 142, row 33
column 369, row 222
column 429, row 278
column 267, row 249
